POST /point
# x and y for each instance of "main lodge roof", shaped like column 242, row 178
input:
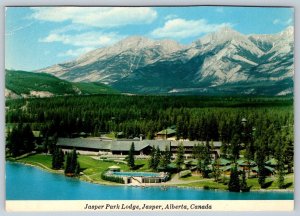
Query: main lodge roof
column 123, row 145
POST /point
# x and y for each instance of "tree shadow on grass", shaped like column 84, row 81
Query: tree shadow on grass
column 247, row 189
column 136, row 167
column 287, row 185
column 267, row 184
column 82, row 169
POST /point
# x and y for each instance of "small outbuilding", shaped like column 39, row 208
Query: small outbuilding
column 164, row 134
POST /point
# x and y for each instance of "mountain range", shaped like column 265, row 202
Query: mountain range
column 222, row 62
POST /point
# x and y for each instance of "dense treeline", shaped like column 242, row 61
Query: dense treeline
column 196, row 118
column 20, row 140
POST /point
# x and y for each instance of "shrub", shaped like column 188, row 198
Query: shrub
column 206, row 187
column 185, row 173
column 112, row 178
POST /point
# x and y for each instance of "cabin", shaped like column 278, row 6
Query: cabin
column 166, row 133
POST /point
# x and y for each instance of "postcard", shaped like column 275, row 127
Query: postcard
column 186, row 108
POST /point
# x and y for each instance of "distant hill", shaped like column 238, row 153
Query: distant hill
column 28, row 84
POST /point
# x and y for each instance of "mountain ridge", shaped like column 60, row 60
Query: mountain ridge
column 141, row 65
column 23, row 84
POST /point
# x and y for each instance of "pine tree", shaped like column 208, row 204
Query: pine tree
column 244, row 186
column 68, row 164
column 152, row 158
column 281, row 177
column 14, row 142
column 28, row 138
column 157, row 158
column 280, row 151
column 72, row 165
column 61, row 158
column 260, row 160
column 216, row 170
column 77, row 169
column 165, row 158
column 180, row 156
column 196, row 151
column 234, row 182
column 55, row 159
column 235, row 147
column 130, row 157
column 206, row 156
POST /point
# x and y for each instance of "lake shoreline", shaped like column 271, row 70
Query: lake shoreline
column 161, row 185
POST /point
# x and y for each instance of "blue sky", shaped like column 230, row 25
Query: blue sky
column 42, row 36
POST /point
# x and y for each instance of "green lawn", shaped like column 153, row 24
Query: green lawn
column 93, row 168
column 38, row 160
column 206, row 183
column 191, row 178
column 271, row 182
column 143, row 165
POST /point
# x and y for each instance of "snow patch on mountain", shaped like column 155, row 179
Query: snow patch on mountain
column 285, row 92
column 240, row 58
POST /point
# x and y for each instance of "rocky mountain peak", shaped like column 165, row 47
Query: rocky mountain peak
column 139, row 64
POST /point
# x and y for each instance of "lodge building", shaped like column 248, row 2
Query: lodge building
column 121, row 147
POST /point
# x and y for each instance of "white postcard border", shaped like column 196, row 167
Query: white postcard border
column 276, row 206
column 155, row 205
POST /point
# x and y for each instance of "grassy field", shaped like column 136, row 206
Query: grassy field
column 271, row 182
column 206, row 183
column 38, row 160
column 92, row 169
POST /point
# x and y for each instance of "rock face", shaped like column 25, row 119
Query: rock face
column 225, row 62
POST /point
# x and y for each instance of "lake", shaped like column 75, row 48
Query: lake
column 30, row 183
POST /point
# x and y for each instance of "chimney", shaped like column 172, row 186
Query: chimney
column 141, row 137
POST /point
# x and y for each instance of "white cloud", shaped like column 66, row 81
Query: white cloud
column 181, row 28
column 103, row 17
column 283, row 22
column 88, row 39
column 170, row 16
column 70, row 28
column 76, row 52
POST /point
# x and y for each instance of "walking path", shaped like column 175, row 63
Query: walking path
column 174, row 181
column 177, row 180
column 43, row 166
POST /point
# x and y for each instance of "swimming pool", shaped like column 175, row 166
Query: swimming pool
column 136, row 174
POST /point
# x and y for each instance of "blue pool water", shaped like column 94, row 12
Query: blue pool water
column 30, row 183
column 136, row 174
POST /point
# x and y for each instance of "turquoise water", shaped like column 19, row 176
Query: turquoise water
column 30, row 183
column 136, row 174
